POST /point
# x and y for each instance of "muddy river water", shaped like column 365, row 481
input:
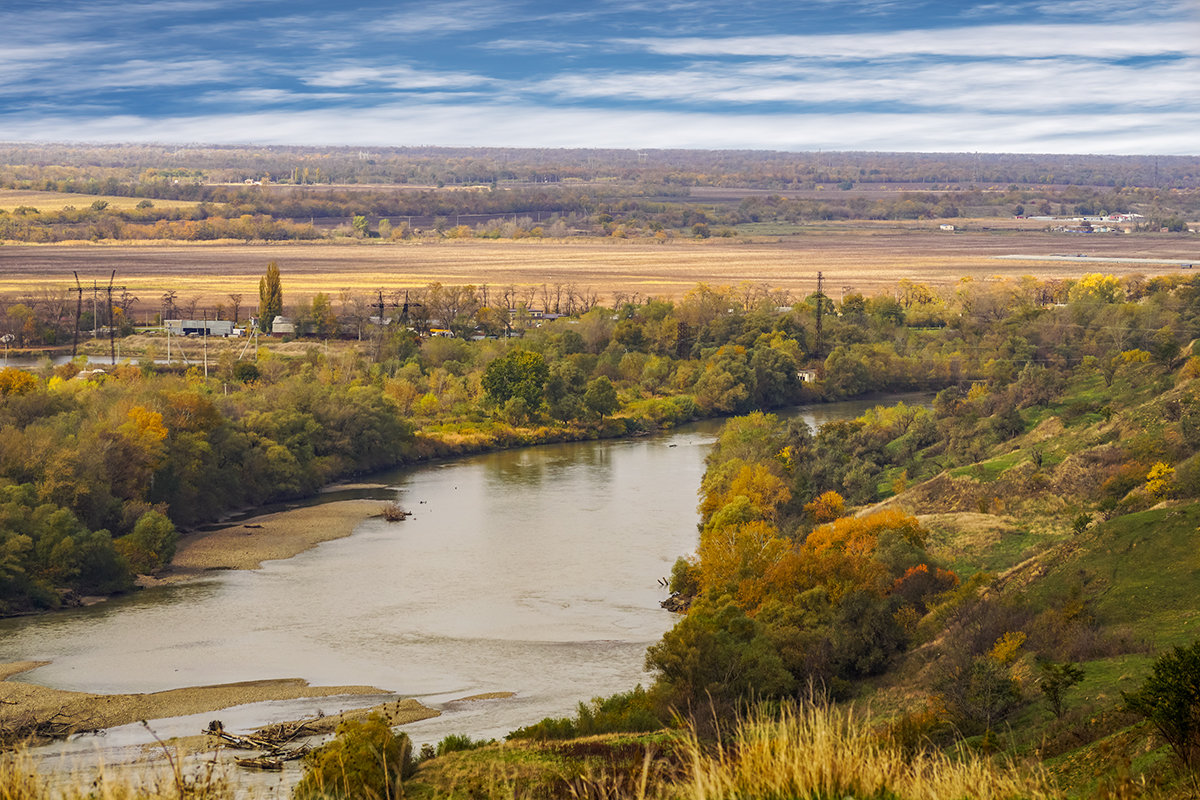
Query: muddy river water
column 530, row 571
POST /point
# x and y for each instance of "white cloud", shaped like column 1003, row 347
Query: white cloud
column 534, row 45
column 1029, row 85
column 483, row 124
column 985, row 41
column 396, row 77
column 450, row 17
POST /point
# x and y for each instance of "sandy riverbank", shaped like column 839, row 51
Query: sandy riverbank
column 245, row 545
column 248, row 544
column 23, row 702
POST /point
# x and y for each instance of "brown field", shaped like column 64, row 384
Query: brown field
column 864, row 259
column 11, row 199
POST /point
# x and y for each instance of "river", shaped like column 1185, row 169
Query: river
column 532, row 571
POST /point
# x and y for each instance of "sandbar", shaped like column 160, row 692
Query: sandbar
column 247, row 544
column 21, row 702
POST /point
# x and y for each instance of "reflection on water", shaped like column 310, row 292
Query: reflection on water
column 533, row 571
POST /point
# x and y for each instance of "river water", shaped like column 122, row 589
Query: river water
column 530, row 571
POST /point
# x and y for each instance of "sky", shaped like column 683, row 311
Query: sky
column 1037, row 76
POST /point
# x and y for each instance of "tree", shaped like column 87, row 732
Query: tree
column 601, row 396
column 270, row 297
column 324, row 321
column 517, row 374
column 151, row 544
column 235, row 302
column 361, row 226
column 715, row 657
column 1170, row 700
column 1055, row 679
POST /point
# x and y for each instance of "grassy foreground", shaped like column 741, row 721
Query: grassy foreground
column 798, row 752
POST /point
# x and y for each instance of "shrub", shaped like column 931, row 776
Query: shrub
column 365, row 760
column 457, row 742
column 624, row 712
column 1170, row 700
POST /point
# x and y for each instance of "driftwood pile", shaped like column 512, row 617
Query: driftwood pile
column 275, row 741
column 32, row 729
column 392, row 511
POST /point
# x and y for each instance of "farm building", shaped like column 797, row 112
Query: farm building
column 200, row 327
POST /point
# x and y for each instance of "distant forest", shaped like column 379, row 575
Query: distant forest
column 456, row 166
column 288, row 193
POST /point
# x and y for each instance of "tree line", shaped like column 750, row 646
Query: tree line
column 108, row 449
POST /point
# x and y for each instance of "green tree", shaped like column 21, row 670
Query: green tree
column 360, row 225
column 323, row 319
column 714, row 658
column 601, row 396
column 270, row 297
column 1170, row 700
column 1054, row 680
column 151, row 544
column 516, row 374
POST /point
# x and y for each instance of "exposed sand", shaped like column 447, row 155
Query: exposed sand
column 20, row 702
column 242, row 546
column 271, row 536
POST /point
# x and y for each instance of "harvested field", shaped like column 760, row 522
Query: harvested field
column 864, row 259
column 11, row 199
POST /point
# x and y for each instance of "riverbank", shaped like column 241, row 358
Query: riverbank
column 22, row 704
column 268, row 537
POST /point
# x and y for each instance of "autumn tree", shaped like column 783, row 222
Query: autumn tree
column 270, row 297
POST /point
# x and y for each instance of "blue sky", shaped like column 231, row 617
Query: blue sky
column 1021, row 76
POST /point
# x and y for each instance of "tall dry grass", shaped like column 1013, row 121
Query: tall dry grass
column 20, row 780
column 814, row 751
column 804, row 752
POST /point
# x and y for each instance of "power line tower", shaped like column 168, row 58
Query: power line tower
column 96, row 290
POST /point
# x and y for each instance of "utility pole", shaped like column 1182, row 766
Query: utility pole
column 112, row 342
column 78, row 313
column 379, row 327
column 820, row 313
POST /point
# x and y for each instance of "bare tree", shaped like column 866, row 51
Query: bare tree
column 169, row 309
column 235, row 302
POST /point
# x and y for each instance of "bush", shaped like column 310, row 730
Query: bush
column 1170, row 700
column 457, row 742
column 365, row 760
column 624, row 712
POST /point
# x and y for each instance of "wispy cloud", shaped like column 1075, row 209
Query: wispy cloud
column 483, row 124
column 863, row 74
column 534, row 46
column 1032, row 85
column 396, row 77
column 451, row 17
column 990, row 41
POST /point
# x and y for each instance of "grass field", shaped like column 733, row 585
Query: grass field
column 863, row 259
column 11, row 199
